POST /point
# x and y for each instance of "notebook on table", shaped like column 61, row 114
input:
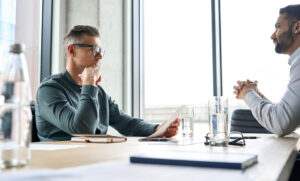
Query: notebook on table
column 197, row 159
column 97, row 138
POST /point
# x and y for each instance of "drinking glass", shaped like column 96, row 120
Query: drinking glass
column 218, row 121
column 187, row 123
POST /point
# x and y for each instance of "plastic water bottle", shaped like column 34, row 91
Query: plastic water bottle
column 15, row 112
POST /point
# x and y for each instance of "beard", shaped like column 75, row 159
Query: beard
column 285, row 41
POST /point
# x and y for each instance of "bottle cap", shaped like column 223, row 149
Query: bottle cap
column 17, row 48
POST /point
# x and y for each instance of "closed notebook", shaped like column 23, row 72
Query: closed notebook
column 197, row 159
column 97, row 138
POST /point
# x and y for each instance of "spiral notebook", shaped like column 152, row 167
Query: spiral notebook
column 97, row 138
column 197, row 159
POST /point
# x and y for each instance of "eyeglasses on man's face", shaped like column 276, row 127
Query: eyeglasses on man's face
column 95, row 49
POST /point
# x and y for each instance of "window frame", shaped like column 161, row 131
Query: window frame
column 46, row 39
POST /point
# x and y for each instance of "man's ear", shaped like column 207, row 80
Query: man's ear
column 71, row 50
column 297, row 27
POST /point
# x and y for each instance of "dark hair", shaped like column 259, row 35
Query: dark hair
column 76, row 33
column 292, row 11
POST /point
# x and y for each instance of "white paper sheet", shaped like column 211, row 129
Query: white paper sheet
column 37, row 175
column 167, row 123
column 8, row 145
column 53, row 147
column 116, row 171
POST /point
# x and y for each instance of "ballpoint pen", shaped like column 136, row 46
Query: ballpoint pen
column 154, row 139
column 246, row 137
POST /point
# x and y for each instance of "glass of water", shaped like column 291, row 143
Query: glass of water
column 187, row 123
column 218, row 121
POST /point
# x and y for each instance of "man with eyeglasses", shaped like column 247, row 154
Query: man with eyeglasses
column 281, row 118
column 73, row 102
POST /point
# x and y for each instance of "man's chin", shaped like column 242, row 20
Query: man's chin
column 95, row 65
column 278, row 49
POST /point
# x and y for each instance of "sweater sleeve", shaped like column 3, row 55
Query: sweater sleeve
column 55, row 108
column 127, row 125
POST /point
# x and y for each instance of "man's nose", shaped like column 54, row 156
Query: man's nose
column 99, row 56
column 273, row 36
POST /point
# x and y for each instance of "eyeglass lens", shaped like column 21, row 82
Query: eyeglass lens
column 97, row 51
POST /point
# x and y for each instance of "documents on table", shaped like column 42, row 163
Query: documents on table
column 126, row 172
column 34, row 146
column 167, row 123
column 97, row 138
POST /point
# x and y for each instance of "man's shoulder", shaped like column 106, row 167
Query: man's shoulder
column 53, row 79
column 52, row 86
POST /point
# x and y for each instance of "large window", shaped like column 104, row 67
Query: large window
column 177, row 52
column 20, row 23
column 248, row 51
column 177, row 55
column 7, row 28
column 7, row 23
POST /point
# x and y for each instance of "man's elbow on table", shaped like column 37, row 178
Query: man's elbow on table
column 81, row 128
column 282, row 132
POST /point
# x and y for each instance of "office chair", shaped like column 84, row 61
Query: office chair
column 34, row 136
column 243, row 121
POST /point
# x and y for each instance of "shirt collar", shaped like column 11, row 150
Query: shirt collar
column 294, row 56
column 69, row 78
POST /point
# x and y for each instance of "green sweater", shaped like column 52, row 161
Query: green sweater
column 64, row 108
